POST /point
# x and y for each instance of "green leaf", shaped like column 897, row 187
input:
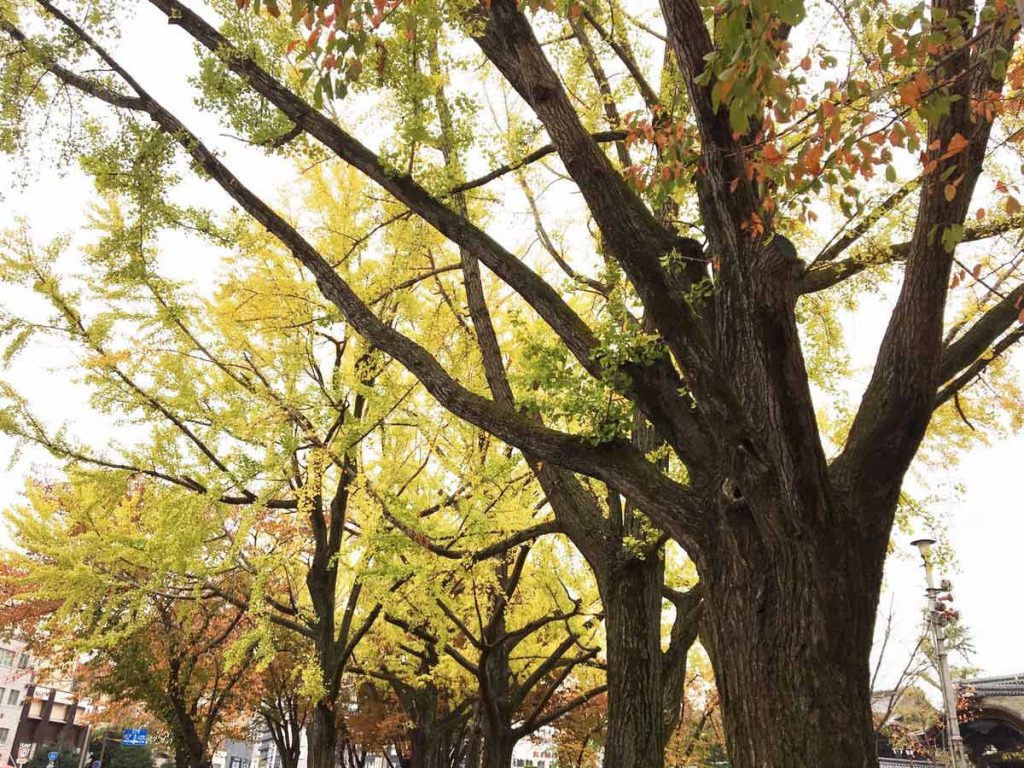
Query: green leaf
column 951, row 236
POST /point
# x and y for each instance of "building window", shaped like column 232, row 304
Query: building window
column 6, row 657
column 23, row 661
column 4, row 733
column 12, row 697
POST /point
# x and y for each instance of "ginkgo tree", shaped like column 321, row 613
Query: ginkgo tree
column 258, row 419
column 84, row 550
column 515, row 628
column 769, row 166
column 238, row 420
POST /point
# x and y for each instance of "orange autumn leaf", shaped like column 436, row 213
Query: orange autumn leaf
column 956, row 145
column 771, row 154
column 910, row 95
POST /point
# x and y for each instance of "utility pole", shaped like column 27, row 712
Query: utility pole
column 103, row 749
column 936, row 622
column 85, row 749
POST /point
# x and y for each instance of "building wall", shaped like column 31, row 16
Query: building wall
column 35, row 715
column 16, row 676
column 537, row 751
column 234, row 754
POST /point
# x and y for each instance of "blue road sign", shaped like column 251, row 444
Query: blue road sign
column 135, row 737
column 52, row 757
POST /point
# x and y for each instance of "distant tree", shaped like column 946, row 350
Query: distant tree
column 81, row 557
column 282, row 707
column 579, row 736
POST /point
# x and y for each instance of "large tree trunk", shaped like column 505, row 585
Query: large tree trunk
column 498, row 746
column 323, row 736
column 195, row 752
column 495, row 691
column 188, row 743
column 429, row 749
column 790, row 641
column 631, row 594
column 496, row 722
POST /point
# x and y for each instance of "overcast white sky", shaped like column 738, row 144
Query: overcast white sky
column 986, row 524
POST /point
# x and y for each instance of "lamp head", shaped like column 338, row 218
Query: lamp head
column 924, row 546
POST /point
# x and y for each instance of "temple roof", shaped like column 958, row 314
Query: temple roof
column 1005, row 685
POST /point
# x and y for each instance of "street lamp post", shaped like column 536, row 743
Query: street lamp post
column 957, row 756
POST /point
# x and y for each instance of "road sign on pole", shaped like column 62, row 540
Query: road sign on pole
column 135, row 737
column 52, row 757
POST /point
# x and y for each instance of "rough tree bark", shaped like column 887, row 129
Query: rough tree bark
column 631, row 595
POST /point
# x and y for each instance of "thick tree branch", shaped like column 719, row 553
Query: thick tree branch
column 974, row 371
column 492, row 550
column 899, row 400
column 568, row 707
column 604, row 88
column 427, row 637
column 543, row 669
column 534, row 290
column 838, row 246
column 630, row 232
column 301, row 629
column 86, row 85
column 654, row 388
column 822, row 275
column 614, row 462
column 689, row 607
column 972, row 345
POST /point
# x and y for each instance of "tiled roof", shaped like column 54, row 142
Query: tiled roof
column 1007, row 685
column 894, row 762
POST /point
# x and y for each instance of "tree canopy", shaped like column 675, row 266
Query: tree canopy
column 568, row 268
